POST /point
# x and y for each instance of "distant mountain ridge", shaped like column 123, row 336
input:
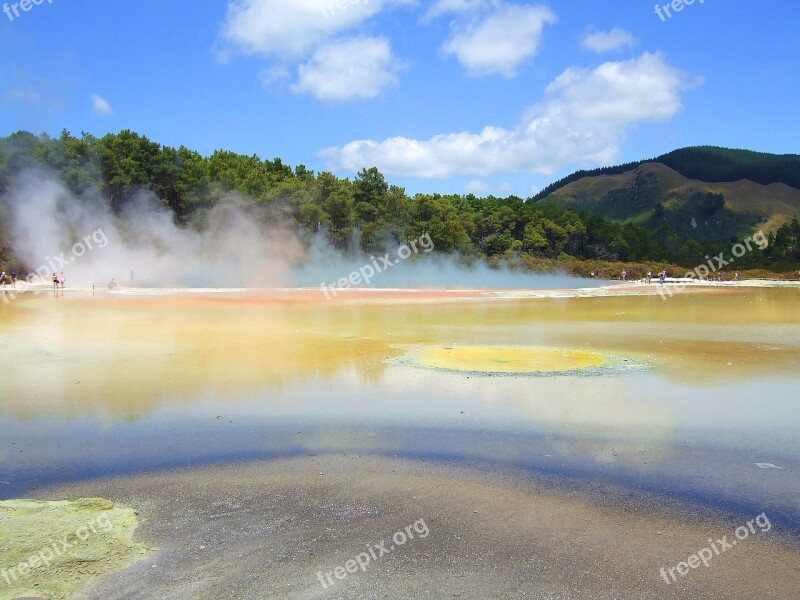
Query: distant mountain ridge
column 704, row 193
column 711, row 164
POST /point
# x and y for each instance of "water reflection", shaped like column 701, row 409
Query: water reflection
column 103, row 385
column 123, row 358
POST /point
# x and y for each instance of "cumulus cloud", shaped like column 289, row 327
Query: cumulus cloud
column 308, row 34
column 290, row 28
column 584, row 117
column 484, row 188
column 100, row 106
column 607, row 41
column 352, row 69
column 501, row 42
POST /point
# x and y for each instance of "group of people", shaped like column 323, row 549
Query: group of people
column 59, row 282
column 662, row 276
column 722, row 276
column 8, row 279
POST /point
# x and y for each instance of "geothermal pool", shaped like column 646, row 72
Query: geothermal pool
column 690, row 401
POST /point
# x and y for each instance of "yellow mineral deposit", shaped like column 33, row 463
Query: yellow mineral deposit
column 50, row 549
column 510, row 360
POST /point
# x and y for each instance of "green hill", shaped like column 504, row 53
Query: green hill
column 705, row 194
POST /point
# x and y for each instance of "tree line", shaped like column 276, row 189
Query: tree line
column 365, row 211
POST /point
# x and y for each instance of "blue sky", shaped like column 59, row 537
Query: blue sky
column 446, row 96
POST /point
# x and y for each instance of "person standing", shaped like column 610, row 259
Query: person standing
column 55, row 281
column 13, row 279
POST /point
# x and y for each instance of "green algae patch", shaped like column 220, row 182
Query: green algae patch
column 50, row 549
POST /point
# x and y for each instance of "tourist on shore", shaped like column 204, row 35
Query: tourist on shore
column 649, row 277
column 55, row 281
column 13, row 279
column 63, row 281
column 624, row 275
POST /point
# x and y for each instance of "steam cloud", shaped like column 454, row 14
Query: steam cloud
column 239, row 247
column 143, row 246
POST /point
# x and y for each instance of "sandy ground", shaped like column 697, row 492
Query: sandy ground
column 274, row 529
column 293, row 296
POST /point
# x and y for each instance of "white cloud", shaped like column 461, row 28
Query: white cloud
column 484, row 188
column 100, row 106
column 307, row 34
column 273, row 75
column 290, row 28
column 443, row 7
column 501, row 42
column 27, row 96
column 353, row 69
column 29, row 101
column 583, row 119
column 607, row 41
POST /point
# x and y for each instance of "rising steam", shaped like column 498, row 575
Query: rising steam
column 52, row 230
column 143, row 246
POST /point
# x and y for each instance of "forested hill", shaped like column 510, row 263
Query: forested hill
column 367, row 210
column 707, row 163
column 703, row 194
